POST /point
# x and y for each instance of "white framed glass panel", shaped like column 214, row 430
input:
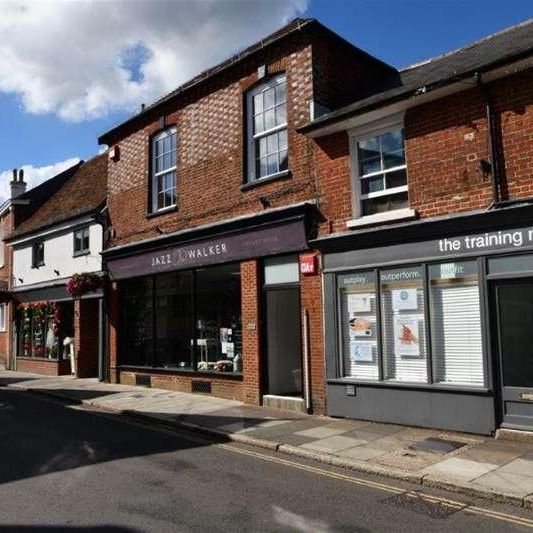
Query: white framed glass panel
column 455, row 309
column 358, row 326
column 403, row 325
column 267, row 129
column 284, row 269
column 164, row 177
column 3, row 311
column 381, row 172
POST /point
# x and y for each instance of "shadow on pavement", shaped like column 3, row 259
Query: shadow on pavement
column 53, row 529
column 41, row 437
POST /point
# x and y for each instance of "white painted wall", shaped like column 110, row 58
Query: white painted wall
column 58, row 255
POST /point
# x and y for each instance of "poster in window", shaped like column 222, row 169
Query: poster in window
column 361, row 352
column 406, row 336
column 359, row 303
column 404, row 299
column 360, row 327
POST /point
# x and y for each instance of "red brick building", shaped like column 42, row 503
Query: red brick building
column 212, row 197
column 427, row 242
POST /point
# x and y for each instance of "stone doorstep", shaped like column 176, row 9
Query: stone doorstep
column 515, row 435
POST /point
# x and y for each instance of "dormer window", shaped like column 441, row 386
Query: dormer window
column 164, row 148
column 267, row 129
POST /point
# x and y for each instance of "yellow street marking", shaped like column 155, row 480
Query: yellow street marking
column 460, row 506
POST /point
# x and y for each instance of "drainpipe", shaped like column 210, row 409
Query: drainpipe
column 307, row 362
column 491, row 141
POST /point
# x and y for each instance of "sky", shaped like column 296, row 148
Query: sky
column 71, row 70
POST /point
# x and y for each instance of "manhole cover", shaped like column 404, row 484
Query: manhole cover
column 436, row 445
column 424, row 504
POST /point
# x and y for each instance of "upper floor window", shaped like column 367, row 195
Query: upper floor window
column 3, row 317
column 164, row 147
column 81, row 241
column 381, row 172
column 267, row 129
column 37, row 254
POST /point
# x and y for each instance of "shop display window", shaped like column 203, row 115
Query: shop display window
column 137, row 329
column 403, row 325
column 185, row 320
column 359, row 320
column 456, row 323
column 386, row 332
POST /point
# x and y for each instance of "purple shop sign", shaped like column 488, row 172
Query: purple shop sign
column 247, row 245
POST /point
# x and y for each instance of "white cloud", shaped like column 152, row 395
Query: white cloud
column 33, row 176
column 83, row 59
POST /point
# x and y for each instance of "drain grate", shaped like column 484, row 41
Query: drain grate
column 436, row 445
column 203, row 387
column 424, row 504
column 143, row 379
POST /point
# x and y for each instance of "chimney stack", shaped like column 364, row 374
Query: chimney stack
column 18, row 185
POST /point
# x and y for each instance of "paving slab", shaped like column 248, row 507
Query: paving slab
column 502, row 481
column 321, row 432
column 460, row 468
column 362, row 453
column 332, row 444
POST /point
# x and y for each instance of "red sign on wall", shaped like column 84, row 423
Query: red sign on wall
column 309, row 264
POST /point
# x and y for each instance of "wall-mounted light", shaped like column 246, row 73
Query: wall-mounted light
column 21, row 280
column 159, row 230
column 265, row 202
column 56, row 272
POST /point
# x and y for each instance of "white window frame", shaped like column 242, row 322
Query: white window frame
column 155, row 175
column 362, row 133
column 3, row 317
column 251, row 138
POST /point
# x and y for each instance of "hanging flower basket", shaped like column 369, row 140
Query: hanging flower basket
column 80, row 284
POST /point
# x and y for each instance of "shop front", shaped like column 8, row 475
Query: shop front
column 189, row 308
column 55, row 334
column 429, row 323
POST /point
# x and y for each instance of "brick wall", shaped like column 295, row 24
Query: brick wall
column 86, row 337
column 211, row 141
column 445, row 141
column 46, row 367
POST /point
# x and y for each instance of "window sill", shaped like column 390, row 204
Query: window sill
column 183, row 371
column 81, row 254
column 269, row 179
column 382, row 218
column 165, row 211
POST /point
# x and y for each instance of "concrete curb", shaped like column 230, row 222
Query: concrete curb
column 427, row 480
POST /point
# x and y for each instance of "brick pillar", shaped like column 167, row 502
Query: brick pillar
column 113, row 317
column 250, row 302
column 311, row 301
column 86, row 337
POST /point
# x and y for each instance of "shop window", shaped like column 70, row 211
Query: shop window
column 456, row 323
column 380, row 172
column 359, row 325
column 218, row 319
column 383, row 330
column 267, row 129
column 174, row 320
column 403, row 325
column 81, row 242
column 186, row 320
column 37, row 254
column 164, row 149
column 137, row 329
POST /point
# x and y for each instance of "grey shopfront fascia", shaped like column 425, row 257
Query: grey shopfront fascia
column 501, row 244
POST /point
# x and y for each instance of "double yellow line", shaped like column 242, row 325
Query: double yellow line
column 385, row 487
column 504, row 517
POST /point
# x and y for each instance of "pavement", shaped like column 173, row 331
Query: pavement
column 480, row 466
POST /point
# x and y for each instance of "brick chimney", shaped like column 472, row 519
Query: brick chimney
column 18, row 185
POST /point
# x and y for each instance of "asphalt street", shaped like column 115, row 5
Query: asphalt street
column 65, row 468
